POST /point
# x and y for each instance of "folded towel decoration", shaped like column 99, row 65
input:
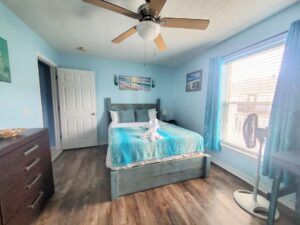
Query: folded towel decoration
column 151, row 133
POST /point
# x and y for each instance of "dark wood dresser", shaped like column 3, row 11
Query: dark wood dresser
column 26, row 179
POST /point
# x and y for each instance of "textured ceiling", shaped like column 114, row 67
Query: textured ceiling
column 67, row 24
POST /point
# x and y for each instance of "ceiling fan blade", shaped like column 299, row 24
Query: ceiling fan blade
column 197, row 24
column 160, row 43
column 157, row 5
column 125, row 35
column 114, row 8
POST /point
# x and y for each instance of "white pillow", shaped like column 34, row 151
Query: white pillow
column 152, row 113
column 114, row 116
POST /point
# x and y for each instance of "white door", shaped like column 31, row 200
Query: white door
column 77, row 99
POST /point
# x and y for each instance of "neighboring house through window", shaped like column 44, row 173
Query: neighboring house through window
column 249, row 88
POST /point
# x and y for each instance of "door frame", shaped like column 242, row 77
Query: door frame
column 53, row 71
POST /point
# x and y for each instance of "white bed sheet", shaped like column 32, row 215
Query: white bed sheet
column 135, row 124
column 141, row 163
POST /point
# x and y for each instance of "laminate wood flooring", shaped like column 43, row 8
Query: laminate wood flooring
column 83, row 198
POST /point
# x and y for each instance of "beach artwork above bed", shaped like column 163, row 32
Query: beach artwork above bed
column 135, row 83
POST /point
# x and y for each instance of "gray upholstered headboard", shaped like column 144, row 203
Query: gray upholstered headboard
column 116, row 107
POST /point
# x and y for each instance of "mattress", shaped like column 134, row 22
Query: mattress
column 127, row 149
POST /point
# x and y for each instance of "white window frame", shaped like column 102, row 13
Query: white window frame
column 264, row 45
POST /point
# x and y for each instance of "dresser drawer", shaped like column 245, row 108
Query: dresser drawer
column 26, row 179
column 0, row 217
column 39, row 172
column 22, row 214
column 34, row 167
column 18, row 171
column 15, row 161
column 36, row 149
column 11, row 201
column 11, row 186
column 36, row 198
column 31, row 207
column 10, row 165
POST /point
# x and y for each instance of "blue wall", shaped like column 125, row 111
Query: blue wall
column 189, row 108
column 105, row 70
column 20, row 100
column 20, row 104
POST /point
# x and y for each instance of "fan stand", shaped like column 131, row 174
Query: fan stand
column 252, row 202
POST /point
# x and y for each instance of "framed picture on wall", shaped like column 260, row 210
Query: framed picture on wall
column 4, row 62
column 135, row 83
column 194, row 81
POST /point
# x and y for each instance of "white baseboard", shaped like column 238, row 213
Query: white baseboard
column 103, row 143
column 55, row 153
column 250, row 180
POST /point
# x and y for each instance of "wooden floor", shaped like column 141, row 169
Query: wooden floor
column 83, row 198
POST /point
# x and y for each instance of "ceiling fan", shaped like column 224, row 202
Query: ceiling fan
column 150, row 21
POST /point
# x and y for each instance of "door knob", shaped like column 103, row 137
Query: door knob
column 93, row 114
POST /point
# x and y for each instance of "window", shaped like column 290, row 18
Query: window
column 250, row 86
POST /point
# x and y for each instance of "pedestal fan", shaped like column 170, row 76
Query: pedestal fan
column 250, row 201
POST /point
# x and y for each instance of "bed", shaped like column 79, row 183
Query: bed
column 139, row 164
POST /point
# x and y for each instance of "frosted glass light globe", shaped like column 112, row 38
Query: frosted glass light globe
column 148, row 30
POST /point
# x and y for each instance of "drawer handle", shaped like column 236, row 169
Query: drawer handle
column 29, row 167
column 29, row 186
column 32, row 206
column 31, row 150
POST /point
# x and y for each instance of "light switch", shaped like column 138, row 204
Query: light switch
column 26, row 112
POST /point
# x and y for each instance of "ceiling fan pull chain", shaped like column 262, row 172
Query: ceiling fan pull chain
column 144, row 52
column 154, row 52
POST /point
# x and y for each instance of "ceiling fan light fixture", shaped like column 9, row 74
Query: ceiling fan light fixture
column 148, row 30
column 82, row 49
column 149, row 15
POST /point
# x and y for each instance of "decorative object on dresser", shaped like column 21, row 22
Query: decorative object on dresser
column 8, row 133
column 26, row 179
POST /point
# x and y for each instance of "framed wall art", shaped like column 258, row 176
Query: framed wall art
column 4, row 62
column 135, row 83
column 194, row 81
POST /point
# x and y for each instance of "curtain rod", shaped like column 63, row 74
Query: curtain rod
column 249, row 46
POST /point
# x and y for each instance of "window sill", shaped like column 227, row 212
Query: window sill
column 239, row 150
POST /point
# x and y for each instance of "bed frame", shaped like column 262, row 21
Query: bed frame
column 149, row 176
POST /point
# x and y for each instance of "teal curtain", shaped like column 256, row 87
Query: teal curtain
column 284, row 124
column 213, row 106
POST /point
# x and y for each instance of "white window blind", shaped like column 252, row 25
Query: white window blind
column 250, row 86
